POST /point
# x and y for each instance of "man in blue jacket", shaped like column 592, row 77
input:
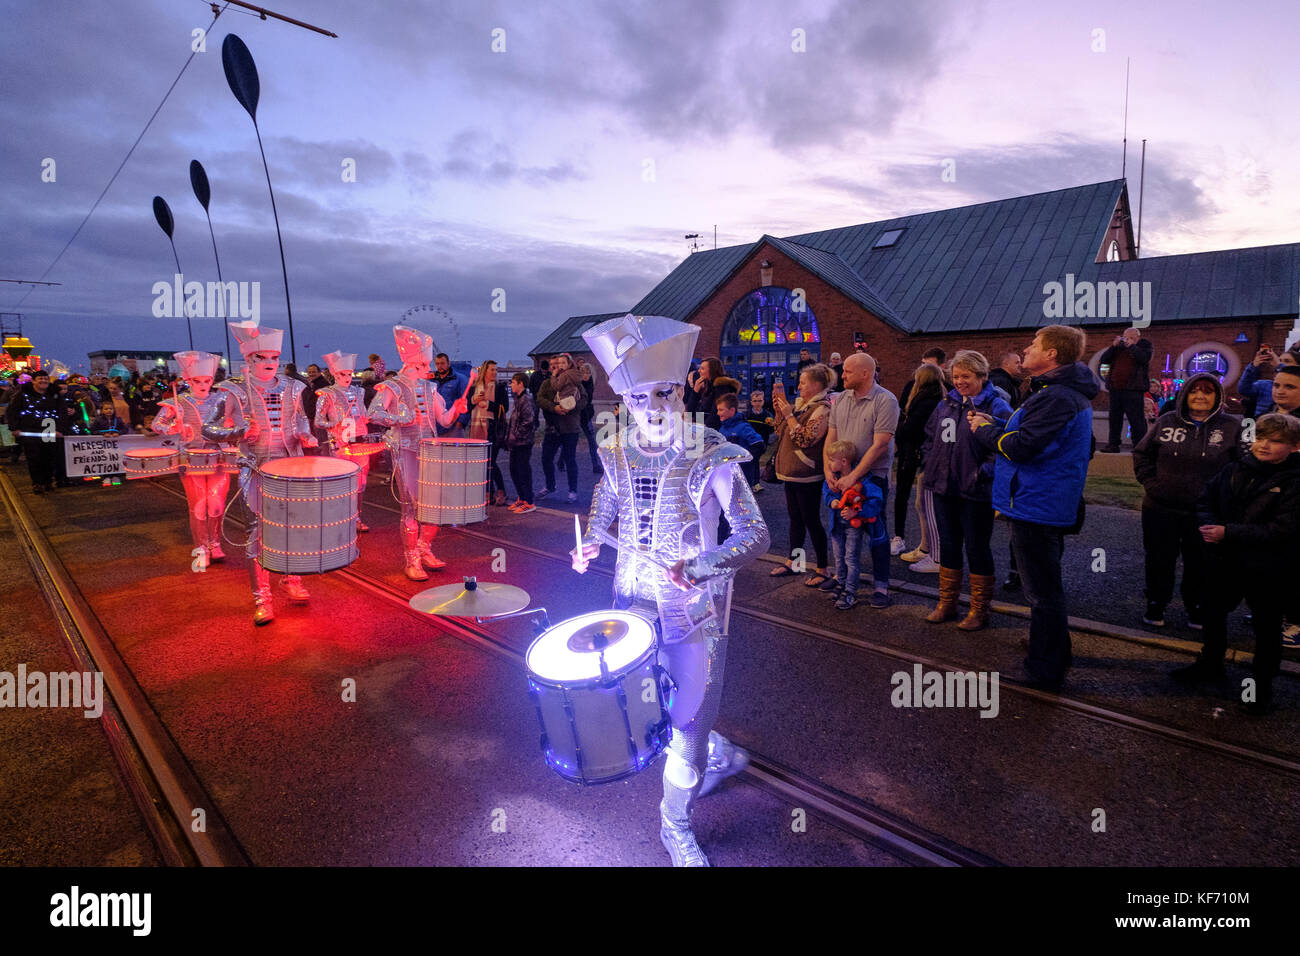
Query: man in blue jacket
column 451, row 385
column 1040, row 465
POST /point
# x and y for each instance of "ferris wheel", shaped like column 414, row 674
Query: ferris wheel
column 438, row 322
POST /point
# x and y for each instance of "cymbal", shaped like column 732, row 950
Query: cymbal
column 485, row 600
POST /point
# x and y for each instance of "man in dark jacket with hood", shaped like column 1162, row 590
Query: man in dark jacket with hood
column 1249, row 518
column 1129, row 378
column 1040, row 466
column 1181, row 452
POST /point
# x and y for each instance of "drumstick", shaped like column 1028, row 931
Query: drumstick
column 180, row 418
column 472, row 376
column 613, row 543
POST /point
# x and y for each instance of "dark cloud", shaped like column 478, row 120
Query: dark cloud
column 683, row 67
column 1172, row 198
column 474, row 155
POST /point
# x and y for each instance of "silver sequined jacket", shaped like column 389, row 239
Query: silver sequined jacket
column 194, row 414
column 276, row 408
column 423, row 405
column 666, row 507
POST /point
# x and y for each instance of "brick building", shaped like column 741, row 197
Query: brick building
column 975, row 277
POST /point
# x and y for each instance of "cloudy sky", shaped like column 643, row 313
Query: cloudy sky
column 565, row 166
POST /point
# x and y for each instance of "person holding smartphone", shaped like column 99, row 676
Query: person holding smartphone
column 1255, row 389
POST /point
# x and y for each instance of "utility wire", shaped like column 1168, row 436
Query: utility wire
column 121, row 166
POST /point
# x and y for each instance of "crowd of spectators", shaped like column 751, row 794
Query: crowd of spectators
column 965, row 444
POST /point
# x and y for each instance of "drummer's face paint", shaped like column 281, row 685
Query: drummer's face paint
column 263, row 365
column 657, row 410
column 200, row 386
column 416, row 370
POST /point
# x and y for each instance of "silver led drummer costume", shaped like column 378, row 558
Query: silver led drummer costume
column 667, row 499
column 267, row 420
column 409, row 406
column 205, row 483
column 341, row 411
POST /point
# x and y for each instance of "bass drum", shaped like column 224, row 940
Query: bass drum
column 307, row 511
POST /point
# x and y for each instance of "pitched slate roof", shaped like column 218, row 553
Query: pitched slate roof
column 983, row 267
column 568, row 337
column 693, row 281
column 829, row 266
column 1230, row 283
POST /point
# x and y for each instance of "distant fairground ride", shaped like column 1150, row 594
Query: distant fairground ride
column 436, row 321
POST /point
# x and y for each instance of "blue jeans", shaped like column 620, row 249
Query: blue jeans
column 846, row 553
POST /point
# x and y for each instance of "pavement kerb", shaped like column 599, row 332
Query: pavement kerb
column 1083, row 625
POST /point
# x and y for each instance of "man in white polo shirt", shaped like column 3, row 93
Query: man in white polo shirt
column 867, row 415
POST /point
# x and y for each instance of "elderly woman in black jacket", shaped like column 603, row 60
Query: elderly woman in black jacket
column 1174, row 462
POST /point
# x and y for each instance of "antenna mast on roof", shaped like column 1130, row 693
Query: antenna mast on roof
column 1142, row 178
column 1123, row 163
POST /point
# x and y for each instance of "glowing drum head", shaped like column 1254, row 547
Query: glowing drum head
column 150, row 462
column 308, row 514
column 599, row 693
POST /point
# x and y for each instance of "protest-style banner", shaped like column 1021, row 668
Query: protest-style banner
column 95, row 455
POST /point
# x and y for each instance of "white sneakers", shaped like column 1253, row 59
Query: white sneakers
column 897, row 546
column 927, row 565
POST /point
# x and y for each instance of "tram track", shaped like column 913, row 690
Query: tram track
column 159, row 780
column 858, row 818
column 1253, row 756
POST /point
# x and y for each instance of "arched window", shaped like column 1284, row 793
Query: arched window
column 1216, row 358
column 1112, row 253
column 763, row 336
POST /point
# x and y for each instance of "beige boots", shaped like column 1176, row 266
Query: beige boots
column 981, row 596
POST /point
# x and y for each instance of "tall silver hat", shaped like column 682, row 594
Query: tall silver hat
column 641, row 349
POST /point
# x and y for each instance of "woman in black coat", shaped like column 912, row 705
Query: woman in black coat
column 923, row 398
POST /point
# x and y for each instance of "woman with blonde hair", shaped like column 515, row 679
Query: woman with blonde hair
column 959, row 475
column 801, row 433
column 487, row 415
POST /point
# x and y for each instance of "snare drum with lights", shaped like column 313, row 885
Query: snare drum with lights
column 600, row 696
column 453, row 481
column 361, row 447
column 150, row 462
column 308, row 514
column 202, row 461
